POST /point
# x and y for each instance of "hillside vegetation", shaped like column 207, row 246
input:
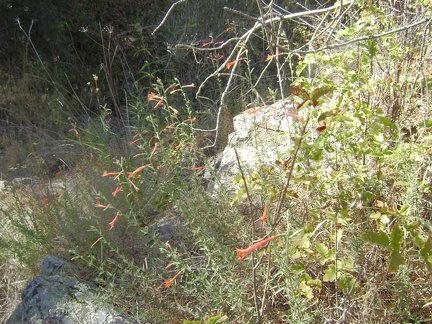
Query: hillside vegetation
column 116, row 109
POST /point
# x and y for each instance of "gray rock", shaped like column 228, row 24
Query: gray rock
column 57, row 297
column 260, row 138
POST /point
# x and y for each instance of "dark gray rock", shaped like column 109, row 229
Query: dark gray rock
column 58, row 297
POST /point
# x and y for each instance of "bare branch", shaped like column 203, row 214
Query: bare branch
column 367, row 37
column 166, row 15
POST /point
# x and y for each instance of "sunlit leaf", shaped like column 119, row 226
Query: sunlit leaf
column 346, row 283
column 325, row 115
column 377, row 238
column 300, row 92
column 396, row 237
column 319, row 92
column 305, row 290
column 322, row 249
column 426, row 253
column 396, row 260
column 330, row 273
column 386, row 121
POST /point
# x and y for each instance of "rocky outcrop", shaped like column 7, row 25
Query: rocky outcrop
column 261, row 136
column 58, row 297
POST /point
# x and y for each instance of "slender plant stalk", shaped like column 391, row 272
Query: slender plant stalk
column 282, row 196
column 252, row 215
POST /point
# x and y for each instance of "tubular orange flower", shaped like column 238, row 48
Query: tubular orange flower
column 168, row 283
column 264, row 215
column 255, row 110
column 242, row 253
column 192, row 85
column 190, row 120
column 174, row 110
column 170, row 265
column 159, row 103
column 112, row 223
column 270, row 57
column 96, row 242
column 134, row 185
column 172, row 85
column 197, row 168
column 207, row 43
column 230, row 64
column 153, row 97
column 134, row 173
column 116, row 191
column 108, row 174
column 138, row 155
column 155, row 148
column 75, row 131
column 99, row 205
column 133, row 141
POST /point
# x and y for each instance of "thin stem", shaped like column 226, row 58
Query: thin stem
column 252, row 214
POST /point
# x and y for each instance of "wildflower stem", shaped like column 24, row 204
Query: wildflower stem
column 282, row 195
column 252, row 214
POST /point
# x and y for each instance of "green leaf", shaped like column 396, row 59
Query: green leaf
column 375, row 238
column 217, row 319
column 346, row 283
column 325, row 115
column 395, row 261
column 330, row 273
column 396, row 237
column 385, row 121
column 305, row 290
column 426, row 253
column 322, row 249
column 319, row 92
column 300, row 92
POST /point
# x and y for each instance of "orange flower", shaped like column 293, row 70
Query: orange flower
column 133, row 141
column 96, row 242
column 155, row 148
column 170, row 265
column 242, row 253
column 207, row 44
column 264, row 215
column 134, row 185
column 192, row 85
column 174, row 110
column 99, row 205
column 116, row 191
column 190, row 120
column 112, row 223
column 255, row 110
column 108, row 174
column 197, row 168
column 153, row 97
column 159, row 103
column 134, row 173
column 168, row 283
column 270, row 57
column 77, row 134
column 230, row 64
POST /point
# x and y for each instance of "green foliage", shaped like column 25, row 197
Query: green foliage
column 348, row 213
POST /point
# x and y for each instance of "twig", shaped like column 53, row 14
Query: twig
column 367, row 37
column 166, row 15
